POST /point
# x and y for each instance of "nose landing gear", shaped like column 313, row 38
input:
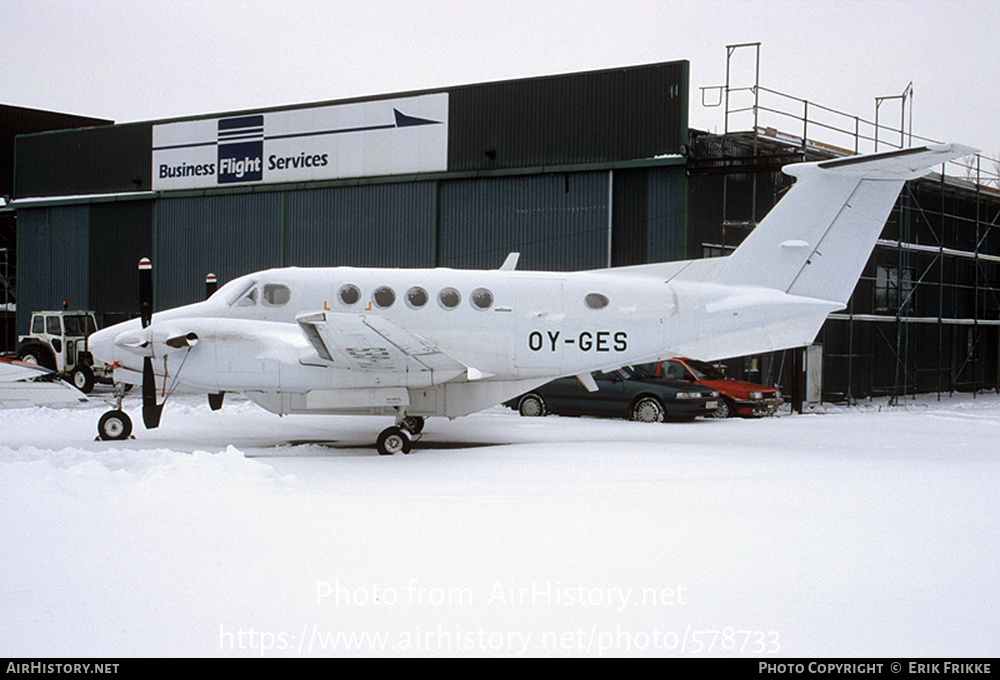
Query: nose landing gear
column 115, row 424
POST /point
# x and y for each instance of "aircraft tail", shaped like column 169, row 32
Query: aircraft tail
column 816, row 240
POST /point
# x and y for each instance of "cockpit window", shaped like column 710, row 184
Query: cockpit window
column 234, row 291
column 276, row 294
column 248, row 299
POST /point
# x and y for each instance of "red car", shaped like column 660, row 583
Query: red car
column 738, row 398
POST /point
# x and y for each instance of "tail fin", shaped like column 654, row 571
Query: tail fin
column 816, row 240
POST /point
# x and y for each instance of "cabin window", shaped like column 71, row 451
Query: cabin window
column 481, row 298
column 384, row 297
column 449, row 298
column 416, row 297
column 276, row 294
column 38, row 325
column 595, row 301
column 349, row 294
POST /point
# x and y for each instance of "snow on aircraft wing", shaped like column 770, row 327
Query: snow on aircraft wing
column 11, row 371
column 371, row 343
column 18, row 390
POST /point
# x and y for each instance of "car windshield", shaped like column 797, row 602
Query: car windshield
column 705, row 371
column 641, row 372
column 79, row 325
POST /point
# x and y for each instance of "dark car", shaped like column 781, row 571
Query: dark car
column 629, row 392
column 737, row 398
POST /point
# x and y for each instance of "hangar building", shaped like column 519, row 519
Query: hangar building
column 576, row 171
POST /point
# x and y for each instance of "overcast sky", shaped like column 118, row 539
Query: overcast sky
column 131, row 60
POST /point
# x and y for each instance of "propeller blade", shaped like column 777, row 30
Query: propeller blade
column 150, row 409
column 145, row 291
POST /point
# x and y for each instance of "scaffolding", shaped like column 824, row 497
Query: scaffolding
column 925, row 316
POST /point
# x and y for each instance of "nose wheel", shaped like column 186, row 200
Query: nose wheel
column 115, row 424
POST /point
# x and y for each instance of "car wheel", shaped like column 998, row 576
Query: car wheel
column 647, row 410
column 725, row 409
column 531, row 406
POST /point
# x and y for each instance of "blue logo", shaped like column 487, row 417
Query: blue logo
column 241, row 149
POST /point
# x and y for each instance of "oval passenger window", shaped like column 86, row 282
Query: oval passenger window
column 349, row 294
column 416, row 297
column 384, row 297
column 596, row 301
column 481, row 298
column 449, row 298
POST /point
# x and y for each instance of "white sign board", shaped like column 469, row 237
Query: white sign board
column 365, row 139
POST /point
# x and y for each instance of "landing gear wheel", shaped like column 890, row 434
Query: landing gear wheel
column 413, row 424
column 82, row 378
column 531, row 406
column 648, row 410
column 114, row 425
column 392, row 441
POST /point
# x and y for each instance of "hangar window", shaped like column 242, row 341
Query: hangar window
column 449, row 298
column 416, row 297
column 595, row 301
column 276, row 294
column 481, row 298
column 384, row 297
column 349, row 294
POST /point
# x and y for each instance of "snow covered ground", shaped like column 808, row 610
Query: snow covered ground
column 869, row 531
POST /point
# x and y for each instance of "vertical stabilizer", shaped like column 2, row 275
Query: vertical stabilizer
column 816, row 240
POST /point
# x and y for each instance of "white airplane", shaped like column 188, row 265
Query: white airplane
column 416, row 343
column 23, row 385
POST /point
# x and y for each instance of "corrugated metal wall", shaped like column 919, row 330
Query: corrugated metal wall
column 614, row 115
column 557, row 221
column 380, row 225
column 228, row 235
column 100, row 160
column 120, row 235
column 54, row 268
column 666, row 214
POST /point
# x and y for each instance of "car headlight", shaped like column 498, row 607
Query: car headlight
column 756, row 395
column 688, row 395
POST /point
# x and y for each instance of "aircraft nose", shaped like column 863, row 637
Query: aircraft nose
column 102, row 345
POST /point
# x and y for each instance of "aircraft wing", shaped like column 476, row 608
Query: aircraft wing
column 18, row 390
column 12, row 371
column 363, row 342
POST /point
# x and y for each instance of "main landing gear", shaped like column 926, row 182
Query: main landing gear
column 400, row 437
